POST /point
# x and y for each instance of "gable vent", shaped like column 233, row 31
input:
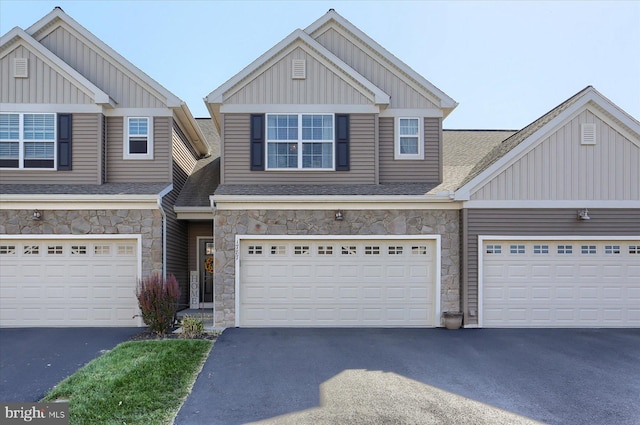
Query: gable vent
column 588, row 134
column 20, row 68
column 299, row 69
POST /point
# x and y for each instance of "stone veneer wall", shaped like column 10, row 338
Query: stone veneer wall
column 229, row 223
column 147, row 223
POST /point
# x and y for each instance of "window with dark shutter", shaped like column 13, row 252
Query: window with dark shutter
column 257, row 142
column 64, row 142
column 342, row 142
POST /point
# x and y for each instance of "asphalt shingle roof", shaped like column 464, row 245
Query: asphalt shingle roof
column 325, row 189
column 83, row 189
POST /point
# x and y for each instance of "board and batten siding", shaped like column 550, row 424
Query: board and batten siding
column 427, row 170
column 44, row 85
column 86, row 149
column 158, row 169
column 276, row 86
column 100, row 70
column 236, row 166
column 561, row 168
column 375, row 69
column 532, row 222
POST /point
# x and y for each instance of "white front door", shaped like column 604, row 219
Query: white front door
column 338, row 282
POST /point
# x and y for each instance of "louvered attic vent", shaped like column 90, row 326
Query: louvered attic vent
column 298, row 69
column 20, row 68
column 588, row 134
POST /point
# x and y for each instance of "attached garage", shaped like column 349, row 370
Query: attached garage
column 53, row 281
column 559, row 282
column 338, row 281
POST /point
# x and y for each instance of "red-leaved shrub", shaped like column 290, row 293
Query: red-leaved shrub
column 158, row 300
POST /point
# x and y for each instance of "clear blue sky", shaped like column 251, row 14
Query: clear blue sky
column 505, row 63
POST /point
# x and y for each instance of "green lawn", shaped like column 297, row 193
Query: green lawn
column 138, row 382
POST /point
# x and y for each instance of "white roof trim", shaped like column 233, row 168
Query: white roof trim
column 218, row 95
column 445, row 101
column 55, row 62
column 590, row 95
column 172, row 100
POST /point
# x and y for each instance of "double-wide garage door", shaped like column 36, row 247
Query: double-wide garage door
column 560, row 283
column 68, row 282
column 338, row 282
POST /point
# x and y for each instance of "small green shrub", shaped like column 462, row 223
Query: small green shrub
column 192, row 327
column 158, row 300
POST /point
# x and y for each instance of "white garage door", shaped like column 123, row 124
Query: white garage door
column 68, row 282
column 338, row 282
column 560, row 283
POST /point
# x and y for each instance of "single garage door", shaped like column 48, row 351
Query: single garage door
column 338, row 282
column 68, row 282
column 560, row 283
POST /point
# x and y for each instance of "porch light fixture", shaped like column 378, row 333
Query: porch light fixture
column 37, row 215
column 339, row 215
column 584, row 214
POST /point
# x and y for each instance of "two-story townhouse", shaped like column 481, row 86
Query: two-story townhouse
column 325, row 214
column 93, row 154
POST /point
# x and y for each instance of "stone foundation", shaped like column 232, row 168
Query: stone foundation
column 229, row 223
column 147, row 223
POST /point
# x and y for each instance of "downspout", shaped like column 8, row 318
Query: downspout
column 164, row 237
column 215, row 250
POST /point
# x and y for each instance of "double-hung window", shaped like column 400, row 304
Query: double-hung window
column 300, row 141
column 138, row 140
column 27, row 140
column 408, row 143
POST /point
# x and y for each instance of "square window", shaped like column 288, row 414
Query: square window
column 54, row 250
column 612, row 249
column 541, row 249
column 588, row 249
column 371, row 250
column 325, row 250
column 349, row 250
column 565, row 249
column 254, row 250
column 395, row 250
column 7, row 249
column 27, row 140
column 301, row 250
column 31, row 250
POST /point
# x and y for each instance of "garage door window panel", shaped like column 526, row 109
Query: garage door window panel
column 31, row 250
column 7, row 250
column 634, row 249
column 565, row 249
column 588, row 249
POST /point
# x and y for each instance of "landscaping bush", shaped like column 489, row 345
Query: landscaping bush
column 158, row 300
column 192, row 327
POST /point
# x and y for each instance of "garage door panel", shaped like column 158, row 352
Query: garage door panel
column 338, row 283
column 68, row 282
column 559, row 283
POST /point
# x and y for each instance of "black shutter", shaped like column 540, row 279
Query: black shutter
column 257, row 142
column 64, row 142
column 342, row 142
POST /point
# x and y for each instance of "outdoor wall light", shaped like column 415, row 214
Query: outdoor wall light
column 339, row 215
column 37, row 215
column 584, row 214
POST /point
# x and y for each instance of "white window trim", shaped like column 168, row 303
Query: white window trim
column 125, row 147
column 300, row 141
column 21, row 141
column 396, row 144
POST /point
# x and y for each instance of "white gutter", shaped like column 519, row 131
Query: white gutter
column 331, row 198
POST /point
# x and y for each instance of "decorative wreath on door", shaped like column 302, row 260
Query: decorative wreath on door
column 208, row 265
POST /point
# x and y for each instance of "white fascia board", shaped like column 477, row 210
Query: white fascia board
column 194, row 213
column 43, row 27
column 188, row 125
column 589, row 98
column 317, row 51
column 427, row 113
column 551, row 204
column 79, row 204
column 55, row 62
column 444, row 101
column 298, row 108
column 464, row 193
column 236, row 202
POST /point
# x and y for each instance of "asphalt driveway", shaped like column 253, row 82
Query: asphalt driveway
column 33, row 360
column 557, row 376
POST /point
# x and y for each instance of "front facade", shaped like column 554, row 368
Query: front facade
column 92, row 156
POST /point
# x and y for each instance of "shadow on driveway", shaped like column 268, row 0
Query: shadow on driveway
column 557, row 376
column 33, row 360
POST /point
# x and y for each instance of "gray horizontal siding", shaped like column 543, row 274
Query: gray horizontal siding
column 86, row 141
column 236, row 167
column 526, row 222
column 100, row 70
column 158, row 169
column 428, row 170
column 44, row 84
